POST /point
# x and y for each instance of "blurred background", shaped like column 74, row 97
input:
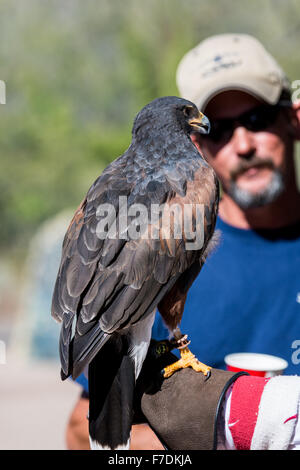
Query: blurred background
column 76, row 74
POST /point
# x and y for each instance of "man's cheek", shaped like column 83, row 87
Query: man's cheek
column 270, row 146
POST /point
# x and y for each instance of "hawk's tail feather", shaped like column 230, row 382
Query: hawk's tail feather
column 111, row 390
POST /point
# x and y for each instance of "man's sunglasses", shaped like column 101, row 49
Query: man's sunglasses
column 257, row 119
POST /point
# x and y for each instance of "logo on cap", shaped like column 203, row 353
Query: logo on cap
column 218, row 62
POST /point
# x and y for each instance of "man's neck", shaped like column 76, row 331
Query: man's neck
column 283, row 212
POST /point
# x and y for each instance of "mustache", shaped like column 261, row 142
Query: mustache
column 254, row 162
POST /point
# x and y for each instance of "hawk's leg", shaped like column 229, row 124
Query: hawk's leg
column 187, row 359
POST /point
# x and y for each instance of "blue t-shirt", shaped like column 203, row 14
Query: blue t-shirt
column 246, row 298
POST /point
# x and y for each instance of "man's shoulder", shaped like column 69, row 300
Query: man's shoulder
column 233, row 238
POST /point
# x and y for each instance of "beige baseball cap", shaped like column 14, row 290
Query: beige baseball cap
column 230, row 62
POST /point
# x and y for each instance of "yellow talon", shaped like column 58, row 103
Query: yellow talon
column 187, row 359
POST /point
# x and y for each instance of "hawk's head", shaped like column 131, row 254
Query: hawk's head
column 169, row 114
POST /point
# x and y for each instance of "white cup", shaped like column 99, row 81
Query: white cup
column 261, row 365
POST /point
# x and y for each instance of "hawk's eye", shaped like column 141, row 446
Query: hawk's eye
column 188, row 111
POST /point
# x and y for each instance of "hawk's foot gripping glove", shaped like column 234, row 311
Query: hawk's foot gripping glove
column 187, row 359
column 182, row 410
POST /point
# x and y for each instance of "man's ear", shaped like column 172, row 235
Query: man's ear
column 296, row 120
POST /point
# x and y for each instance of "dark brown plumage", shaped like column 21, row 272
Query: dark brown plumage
column 110, row 288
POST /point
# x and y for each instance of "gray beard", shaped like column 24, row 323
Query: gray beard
column 247, row 200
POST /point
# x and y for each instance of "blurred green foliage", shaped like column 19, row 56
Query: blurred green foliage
column 76, row 74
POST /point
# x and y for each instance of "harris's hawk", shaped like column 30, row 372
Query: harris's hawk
column 109, row 287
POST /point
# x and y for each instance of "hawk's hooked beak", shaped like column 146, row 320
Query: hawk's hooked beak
column 200, row 124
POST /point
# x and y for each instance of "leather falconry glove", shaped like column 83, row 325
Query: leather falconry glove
column 183, row 410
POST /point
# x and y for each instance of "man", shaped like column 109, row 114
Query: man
column 246, row 297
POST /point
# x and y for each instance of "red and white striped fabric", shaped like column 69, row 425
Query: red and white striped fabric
column 262, row 414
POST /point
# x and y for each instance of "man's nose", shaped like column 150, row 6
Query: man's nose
column 243, row 142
